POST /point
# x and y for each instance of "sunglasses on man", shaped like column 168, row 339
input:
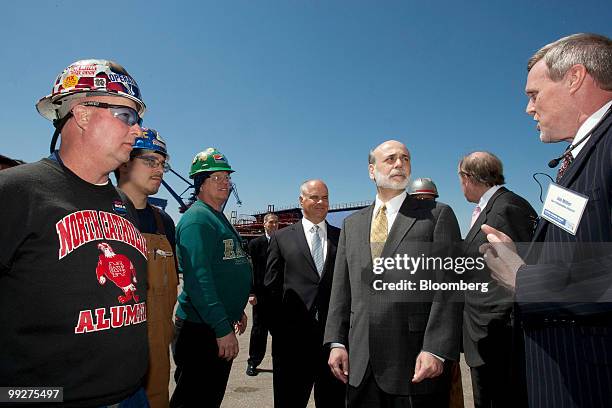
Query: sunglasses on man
column 127, row 115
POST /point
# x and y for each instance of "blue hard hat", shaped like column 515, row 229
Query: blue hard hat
column 151, row 140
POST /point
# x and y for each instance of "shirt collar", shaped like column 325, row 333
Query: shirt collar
column 484, row 200
column 308, row 224
column 587, row 126
column 393, row 205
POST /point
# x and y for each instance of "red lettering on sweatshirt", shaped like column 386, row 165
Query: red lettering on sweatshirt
column 77, row 229
column 120, row 316
column 81, row 227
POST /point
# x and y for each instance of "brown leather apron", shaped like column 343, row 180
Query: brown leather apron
column 161, row 298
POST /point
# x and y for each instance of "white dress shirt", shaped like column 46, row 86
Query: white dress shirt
column 307, row 225
column 484, row 200
column 393, row 206
column 587, row 126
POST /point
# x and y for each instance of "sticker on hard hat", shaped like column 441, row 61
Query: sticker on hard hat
column 202, row 156
column 125, row 79
column 83, row 70
column 100, row 82
column 219, row 158
column 70, row 81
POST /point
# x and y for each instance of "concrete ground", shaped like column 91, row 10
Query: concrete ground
column 248, row 392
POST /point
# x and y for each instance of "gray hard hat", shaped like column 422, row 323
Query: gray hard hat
column 423, row 186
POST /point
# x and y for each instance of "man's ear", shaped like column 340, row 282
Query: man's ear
column 123, row 169
column 82, row 116
column 575, row 77
column 371, row 171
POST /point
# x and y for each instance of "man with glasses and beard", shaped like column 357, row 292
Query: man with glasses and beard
column 72, row 263
column 391, row 348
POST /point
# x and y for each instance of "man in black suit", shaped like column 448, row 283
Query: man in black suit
column 564, row 289
column 491, row 349
column 398, row 343
column 298, row 279
column 258, row 249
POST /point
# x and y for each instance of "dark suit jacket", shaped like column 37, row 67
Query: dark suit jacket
column 296, row 291
column 258, row 249
column 514, row 216
column 564, row 295
column 388, row 330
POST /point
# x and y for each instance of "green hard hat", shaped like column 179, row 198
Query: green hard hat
column 209, row 161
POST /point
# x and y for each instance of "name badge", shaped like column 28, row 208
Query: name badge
column 564, row 207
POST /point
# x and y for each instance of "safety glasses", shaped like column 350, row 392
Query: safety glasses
column 127, row 115
column 154, row 163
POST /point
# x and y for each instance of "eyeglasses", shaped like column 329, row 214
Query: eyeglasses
column 127, row 115
column 154, row 163
column 224, row 177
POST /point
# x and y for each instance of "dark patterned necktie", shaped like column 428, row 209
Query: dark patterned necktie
column 567, row 160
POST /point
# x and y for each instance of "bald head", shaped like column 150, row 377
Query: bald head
column 478, row 172
column 389, row 167
column 314, row 200
column 483, row 167
column 385, row 146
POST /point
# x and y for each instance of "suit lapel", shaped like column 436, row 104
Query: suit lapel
column 331, row 249
column 365, row 225
column 574, row 170
column 579, row 162
column 482, row 218
column 402, row 224
column 298, row 231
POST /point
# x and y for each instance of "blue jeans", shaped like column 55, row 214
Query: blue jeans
column 136, row 400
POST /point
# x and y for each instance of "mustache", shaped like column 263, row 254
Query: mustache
column 397, row 172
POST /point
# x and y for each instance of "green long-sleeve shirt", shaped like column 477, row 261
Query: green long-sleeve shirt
column 216, row 272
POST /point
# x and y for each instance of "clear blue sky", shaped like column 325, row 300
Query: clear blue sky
column 291, row 90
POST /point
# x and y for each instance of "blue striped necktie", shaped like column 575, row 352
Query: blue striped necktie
column 317, row 249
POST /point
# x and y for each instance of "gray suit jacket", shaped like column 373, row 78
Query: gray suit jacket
column 388, row 330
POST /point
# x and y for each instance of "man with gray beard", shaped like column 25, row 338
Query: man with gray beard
column 399, row 345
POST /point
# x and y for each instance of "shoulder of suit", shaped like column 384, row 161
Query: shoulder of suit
column 363, row 211
column 298, row 226
column 357, row 214
column 331, row 228
column 442, row 206
column 260, row 239
column 508, row 197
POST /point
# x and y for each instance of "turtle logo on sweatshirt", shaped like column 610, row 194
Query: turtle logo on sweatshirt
column 118, row 269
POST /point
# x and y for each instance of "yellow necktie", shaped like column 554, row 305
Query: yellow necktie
column 378, row 233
